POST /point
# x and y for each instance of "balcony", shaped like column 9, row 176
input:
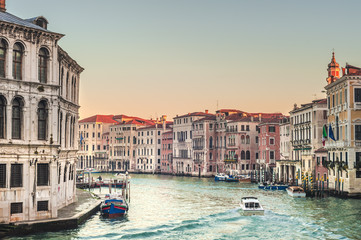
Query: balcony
column 339, row 144
column 198, row 161
column 357, row 105
column 358, row 143
column 230, row 160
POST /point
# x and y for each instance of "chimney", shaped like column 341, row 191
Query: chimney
column 2, row 6
column 206, row 110
column 260, row 117
column 164, row 120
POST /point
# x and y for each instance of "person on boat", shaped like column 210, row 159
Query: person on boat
column 100, row 178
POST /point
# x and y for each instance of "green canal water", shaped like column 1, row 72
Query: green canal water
column 167, row 207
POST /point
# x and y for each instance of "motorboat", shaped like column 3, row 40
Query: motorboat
column 273, row 186
column 113, row 206
column 220, row 177
column 244, row 178
column 251, row 206
column 296, row 191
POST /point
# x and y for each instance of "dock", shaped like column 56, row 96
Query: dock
column 69, row 217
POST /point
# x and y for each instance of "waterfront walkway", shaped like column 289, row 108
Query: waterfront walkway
column 69, row 217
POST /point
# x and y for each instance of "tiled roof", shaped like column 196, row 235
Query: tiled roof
column 99, row 118
column 159, row 126
column 126, row 118
column 9, row 18
column 195, row 114
column 208, row 118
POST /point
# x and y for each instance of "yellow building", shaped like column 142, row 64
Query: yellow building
column 344, row 120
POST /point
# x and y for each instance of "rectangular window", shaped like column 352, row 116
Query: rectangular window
column 271, row 129
column 358, row 132
column 43, row 206
column 16, row 208
column 272, row 155
column 43, row 174
column 357, row 94
column 2, row 175
column 16, row 179
column 271, row 141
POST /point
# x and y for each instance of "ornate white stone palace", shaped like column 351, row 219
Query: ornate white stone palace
column 38, row 120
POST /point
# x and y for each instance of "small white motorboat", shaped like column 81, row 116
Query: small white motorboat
column 296, row 191
column 220, row 177
column 251, row 206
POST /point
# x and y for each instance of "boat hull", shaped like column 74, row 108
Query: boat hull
column 296, row 194
column 274, row 187
column 219, row 178
column 113, row 210
column 253, row 212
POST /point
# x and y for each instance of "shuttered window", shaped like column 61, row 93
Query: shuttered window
column 2, row 175
column 16, row 179
column 43, row 174
column 357, row 94
column 16, row 208
column 43, row 206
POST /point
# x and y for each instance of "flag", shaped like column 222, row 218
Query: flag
column 81, row 138
column 324, row 135
column 330, row 133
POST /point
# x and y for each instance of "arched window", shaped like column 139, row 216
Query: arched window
column 67, row 86
column 74, row 90
column 242, row 139
column 43, row 65
column 2, row 116
column 16, row 118
column 42, row 120
column 243, row 155
column 211, row 142
column 3, row 47
column 18, row 61
column 248, row 155
column 247, row 139
column 61, row 81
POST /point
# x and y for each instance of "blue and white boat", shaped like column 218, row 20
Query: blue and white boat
column 220, row 177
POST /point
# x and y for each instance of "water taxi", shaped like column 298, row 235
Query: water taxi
column 251, row 206
column 296, row 191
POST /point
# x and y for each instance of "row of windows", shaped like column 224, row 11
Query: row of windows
column 42, row 177
column 17, row 118
column 17, row 207
column 18, row 60
column 336, row 98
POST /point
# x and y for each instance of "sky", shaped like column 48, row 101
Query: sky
column 149, row 58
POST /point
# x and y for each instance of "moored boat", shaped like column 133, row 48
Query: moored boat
column 273, row 187
column 251, row 206
column 296, row 191
column 220, row 177
column 114, row 205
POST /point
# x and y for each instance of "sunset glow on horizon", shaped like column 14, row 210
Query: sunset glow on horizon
column 152, row 58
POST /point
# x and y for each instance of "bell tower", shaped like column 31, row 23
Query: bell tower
column 333, row 70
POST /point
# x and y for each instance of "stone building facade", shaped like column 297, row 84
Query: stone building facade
column 39, row 106
column 93, row 142
column 344, row 118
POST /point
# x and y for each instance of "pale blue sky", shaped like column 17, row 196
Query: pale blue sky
column 149, row 58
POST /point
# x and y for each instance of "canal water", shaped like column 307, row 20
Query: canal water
column 167, row 207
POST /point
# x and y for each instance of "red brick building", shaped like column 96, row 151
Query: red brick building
column 167, row 153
